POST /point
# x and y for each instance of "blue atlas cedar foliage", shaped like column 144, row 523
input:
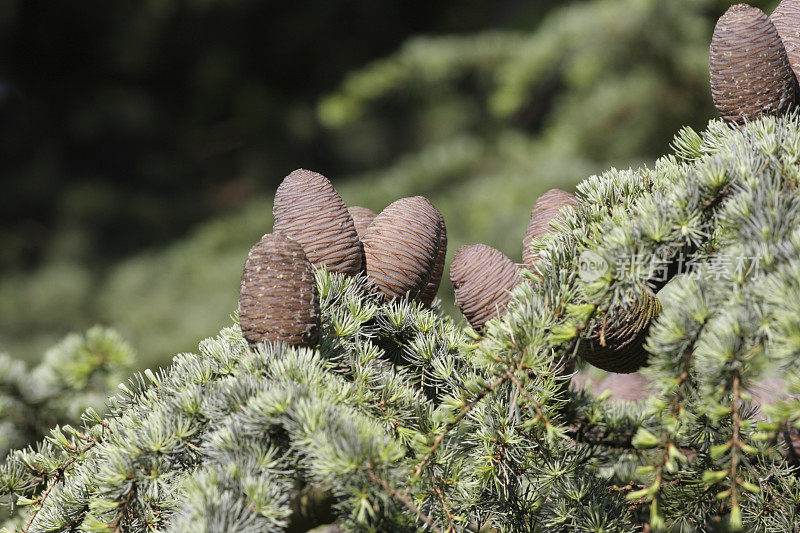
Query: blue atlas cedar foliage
column 401, row 420
column 78, row 372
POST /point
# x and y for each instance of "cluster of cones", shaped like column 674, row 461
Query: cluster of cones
column 402, row 251
column 754, row 65
column 754, row 62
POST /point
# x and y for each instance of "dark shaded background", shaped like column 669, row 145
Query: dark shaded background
column 125, row 123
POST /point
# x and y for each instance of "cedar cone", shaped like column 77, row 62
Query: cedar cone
column 429, row 294
column 546, row 208
column 750, row 73
column 618, row 346
column 362, row 218
column 786, row 19
column 309, row 210
column 401, row 246
column 482, row 280
column 278, row 298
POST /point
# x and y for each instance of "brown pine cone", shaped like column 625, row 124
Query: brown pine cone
column 362, row 218
column 546, row 208
column 482, row 279
column 750, row 73
column 278, row 298
column 309, row 210
column 617, row 346
column 401, row 246
column 786, row 19
column 429, row 294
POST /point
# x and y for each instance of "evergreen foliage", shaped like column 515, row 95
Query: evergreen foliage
column 402, row 420
column 80, row 371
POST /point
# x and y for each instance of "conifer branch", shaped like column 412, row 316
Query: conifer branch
column 404, row 499
column 57, row 475
column 464, row 410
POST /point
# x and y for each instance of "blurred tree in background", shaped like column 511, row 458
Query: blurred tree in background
column 78, row 373
column 125, row 123
column 141, row 141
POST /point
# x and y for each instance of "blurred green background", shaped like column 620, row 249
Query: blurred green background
column 141, row 141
